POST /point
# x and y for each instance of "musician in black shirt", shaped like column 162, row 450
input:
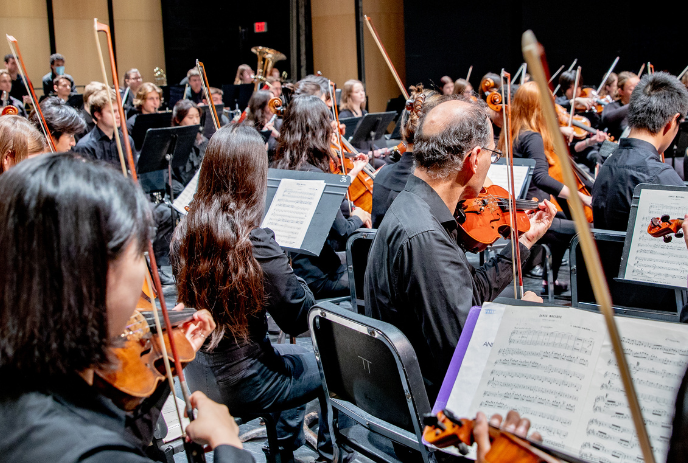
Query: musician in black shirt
column 57, row 68
column 132, row 83
column 615, row 114
column 18, row 88
column 658, row 105
column 194, row 90
column 418, row 277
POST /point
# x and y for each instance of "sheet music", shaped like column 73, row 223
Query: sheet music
column 556, row 367
column 650, row 259
column 184, row 199
column 292, row 209
column 498, row 175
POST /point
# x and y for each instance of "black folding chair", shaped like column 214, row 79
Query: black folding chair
column 357, row 249
column 370, row 374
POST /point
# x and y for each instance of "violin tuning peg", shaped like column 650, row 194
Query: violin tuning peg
column 667, row 238
column 463, row 448
column 666, row 218
column 655, row 222
column 453, row 418
column 430, row 419
column 679, row 234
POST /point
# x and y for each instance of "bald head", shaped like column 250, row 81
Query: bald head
column 447, row 133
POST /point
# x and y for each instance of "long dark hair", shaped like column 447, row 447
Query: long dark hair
column 256, row 108
column 212, row 254
column 305, row 135
column 63, row 221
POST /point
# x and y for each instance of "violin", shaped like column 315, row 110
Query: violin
column 493, row 97
column 582, row 180
column 445, row 430
column 664, row 226
column 485, row 219
column 138, row 364
column 599, row 105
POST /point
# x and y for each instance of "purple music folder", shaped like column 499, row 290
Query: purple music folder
column 457, row 360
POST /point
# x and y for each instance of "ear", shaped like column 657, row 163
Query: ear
column 7, row 160
column 671, row 124
column 472, row 159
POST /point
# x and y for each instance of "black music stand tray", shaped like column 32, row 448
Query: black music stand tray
column 164, row 149
column 207, row 119
column 148, row 121
column 326, row 211
column 372, row 128
column 350, row 123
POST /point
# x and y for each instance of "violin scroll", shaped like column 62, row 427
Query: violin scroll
column 487, row 85
column 276, row 106
column 494, row 101
column 9, row 110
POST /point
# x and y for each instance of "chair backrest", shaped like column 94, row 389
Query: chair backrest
column 371, row 365
column 357, row 249
column 628, row 298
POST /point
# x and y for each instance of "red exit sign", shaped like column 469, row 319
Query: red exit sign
column 260, row 27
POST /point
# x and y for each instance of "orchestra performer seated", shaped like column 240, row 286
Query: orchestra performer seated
column 132, row 83
column 19, row 140
column 147, row 101
column 62, row 86
column 194, row 91
column 6, row 98
column 353, row 100
column 244, row 75
column 610, row 88
column 57, row 68
column 304, row 145
column 447, row 85
column 615, row 114
column 275, row 85
column 261, row 118
column 64, row 122
column 55, row 341
column 463, row 87
column 186, row 113
column 240, row 274
column 657, row 107
column 567, row 80
column 18, row 88
column 216, row 95
column 90, row 90
column 418, row 277
column 391, row 180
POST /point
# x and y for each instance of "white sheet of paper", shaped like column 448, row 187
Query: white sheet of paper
column 498, row 175
column 292, row 209
column 650, row 259
column 187, row 195
column 556, row 367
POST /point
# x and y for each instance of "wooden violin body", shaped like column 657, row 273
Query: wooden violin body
column 138, row 363
column 361, row 188
column 556, row 173
column 664, row 227
column 485, row 219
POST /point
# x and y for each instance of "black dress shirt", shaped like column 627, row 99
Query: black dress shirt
column 530, row 145
column 389, row 182
column 71, row 421
column 632, row 163
column 345, row 113
column 49, row 87
column 193, row 96
column 97, row 145
column 615, row 118
column 18, row 88
column 419, row 280
column 287, row 300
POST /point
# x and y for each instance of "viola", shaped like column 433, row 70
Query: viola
column 582, row 180
column 445, row 430
column 138, row 364
column 485, row 219
column 664, row 226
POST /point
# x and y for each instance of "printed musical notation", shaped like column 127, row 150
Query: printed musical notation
column 544, row 354
column 650, row 259
column 560, row 340
column 292, row 209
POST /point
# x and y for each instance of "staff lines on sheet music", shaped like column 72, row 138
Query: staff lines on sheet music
column 605, row 409
column 544, row 354
column 645, row 398
column 651, row 358
column 551, row 430
column 673, row 211
column 654, row 346
column 618, row 456
column 649, row 370
column 526, row 411
column 557, row 339
column 540, row 366
column 615, row 385
column 557, row 403
column 538, row 378
column 540, row 390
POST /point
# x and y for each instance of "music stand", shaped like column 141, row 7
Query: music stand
column 244, row 95
column 396, row 133
column 350, row 123
column 207, row 119
column 172, row 94
column 165, row 149
column 149, row 121
column 372, row 128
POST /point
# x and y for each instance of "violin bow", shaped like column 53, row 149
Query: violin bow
column 534, row 55
column 640, row 73
column 208, row 96
column 606, row 76
column 468, row 76
column 556, row 74
column 683, row 73
column 573, row 97
column 14, row 47
column 194, row 451
column 515, row 248
column 376, row 37
column 570, row 67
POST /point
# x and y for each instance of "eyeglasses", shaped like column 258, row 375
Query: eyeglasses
column 495, row 156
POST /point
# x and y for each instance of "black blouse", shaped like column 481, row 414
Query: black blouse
column 530, row 145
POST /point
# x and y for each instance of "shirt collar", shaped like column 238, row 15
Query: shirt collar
column 634, row 143
column 100, row 135
column 438, row 208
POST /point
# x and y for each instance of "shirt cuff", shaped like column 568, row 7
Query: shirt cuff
column 230, row 454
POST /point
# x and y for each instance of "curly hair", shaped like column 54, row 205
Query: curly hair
column 211, row 251
column 305, row 135
column 410, row 118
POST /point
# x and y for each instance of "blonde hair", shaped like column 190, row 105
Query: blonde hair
column 347, row 90
column 240, row 71
column 90, row 89
column 625, row 77
column 99, row 101
column 143, row 91
column 526, row 115
column 19, row 138
column 684, row 79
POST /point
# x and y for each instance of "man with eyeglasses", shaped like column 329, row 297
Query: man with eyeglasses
column 418, row 277
column 132, row 83
column 658, row 105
